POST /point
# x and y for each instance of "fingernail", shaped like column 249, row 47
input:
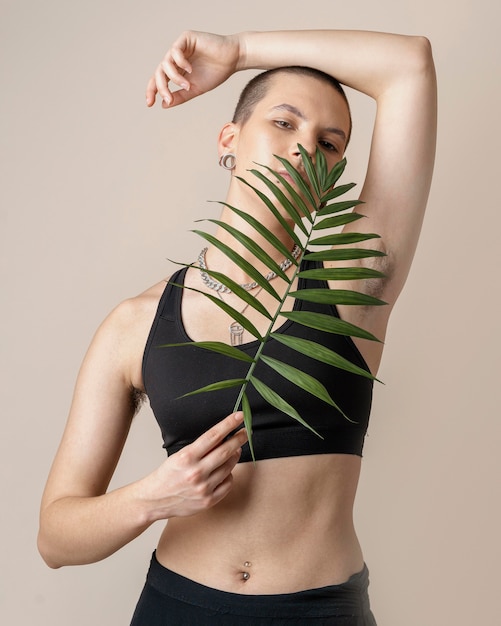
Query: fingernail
column 239, row 416
column 167, row 100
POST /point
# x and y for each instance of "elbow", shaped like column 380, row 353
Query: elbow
column 46, row 553
column 421, row 55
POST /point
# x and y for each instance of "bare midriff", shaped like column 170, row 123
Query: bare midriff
column 286, row 525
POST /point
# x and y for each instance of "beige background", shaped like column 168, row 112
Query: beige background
column 97, row 191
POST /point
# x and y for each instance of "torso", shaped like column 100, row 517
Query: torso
column 289, row 518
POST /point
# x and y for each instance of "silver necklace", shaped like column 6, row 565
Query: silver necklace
column 220, row 288
column 236, row 329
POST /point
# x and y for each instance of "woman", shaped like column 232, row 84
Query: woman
column 273, row 542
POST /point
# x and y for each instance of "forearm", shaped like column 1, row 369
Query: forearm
column 78, row 530
column 369, row 62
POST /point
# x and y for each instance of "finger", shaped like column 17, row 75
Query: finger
column 180, row 96
column 162, row 84
column 174, row 73
column 151, row 92
column 181, row 61
column 216, row 435
column 222, row 476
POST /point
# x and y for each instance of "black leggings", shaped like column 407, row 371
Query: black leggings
column 169, row 599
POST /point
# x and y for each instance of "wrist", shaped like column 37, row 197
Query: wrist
column 244, row 40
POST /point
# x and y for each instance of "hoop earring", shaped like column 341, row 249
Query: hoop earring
column 228, row 161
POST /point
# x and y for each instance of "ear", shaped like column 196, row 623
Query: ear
column 228, row 138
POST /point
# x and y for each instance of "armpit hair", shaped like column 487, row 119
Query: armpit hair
column 375, row 286
column 137, row 399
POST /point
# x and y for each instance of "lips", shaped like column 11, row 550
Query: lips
column 289, row 178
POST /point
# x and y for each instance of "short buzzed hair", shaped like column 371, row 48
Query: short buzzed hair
column 257, row 87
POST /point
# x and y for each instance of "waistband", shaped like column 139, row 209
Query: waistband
column 348, row 598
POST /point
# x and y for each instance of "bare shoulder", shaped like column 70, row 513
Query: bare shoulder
column 125, row 331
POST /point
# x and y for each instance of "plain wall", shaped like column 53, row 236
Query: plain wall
column 98, row 192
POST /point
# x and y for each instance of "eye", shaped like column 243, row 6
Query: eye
column 283, row 124
column 328, row 145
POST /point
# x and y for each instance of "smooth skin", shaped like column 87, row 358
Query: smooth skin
column 290, row 518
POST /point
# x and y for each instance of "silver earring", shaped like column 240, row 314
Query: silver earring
column 228, row 161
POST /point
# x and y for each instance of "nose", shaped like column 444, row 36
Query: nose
column 308, row 144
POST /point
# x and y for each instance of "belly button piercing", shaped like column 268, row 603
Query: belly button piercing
column 247, row 564
column 245, row 575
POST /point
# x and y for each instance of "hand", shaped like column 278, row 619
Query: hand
column 198, row 476
column 196, row 62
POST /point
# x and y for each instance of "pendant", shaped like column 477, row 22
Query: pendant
column 236, row 332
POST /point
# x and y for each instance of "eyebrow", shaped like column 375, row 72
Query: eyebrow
column 295, row 111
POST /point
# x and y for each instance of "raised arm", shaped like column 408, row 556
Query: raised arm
column 397, row 71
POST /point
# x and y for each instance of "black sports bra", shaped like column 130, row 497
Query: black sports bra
column 168, row 373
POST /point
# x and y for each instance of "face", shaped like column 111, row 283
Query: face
column 295, row 110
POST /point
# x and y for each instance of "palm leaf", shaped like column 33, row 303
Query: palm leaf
column 278, row 216
column 299, row 181
column 334, row 175
column 253, row 247
column 296, row 198
column 224, row 384
column 242, row 293
column 247, row 267
column 213, row 346
column 341, row 273
column 279, row 403
column 343, row 254
column 282, row 198
column 339, row 220
column 336, row 296
column 321, row 353
column 310, row 196
column 229, row 310
column 311, row 171
column 262, row 230
column 337, row 207
column 341, row 239
column 328, row 324
column 246, row 408
column 301, row 379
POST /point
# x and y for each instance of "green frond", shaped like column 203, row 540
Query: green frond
column 213, row 346
column 295, row 197
column 336, row 296
column 343, row 254
column 337, row 207
column 311, row 172
column 335, row 174
column 246, row 408
column 341, row 239
column 262, row 230
column 307, row 197
column 298, row 179
column 341, row 273
column 339, row 220
column 328, row 324
column 224, row 384
column 301, row 379
column 284, row 201
column 242, row 293
column 232, row 312
column 253, row 247
column 321, row 168
column 336, row 192
column 279, row 403
column 242, row 263
column 321, row 353
column 280, row 219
